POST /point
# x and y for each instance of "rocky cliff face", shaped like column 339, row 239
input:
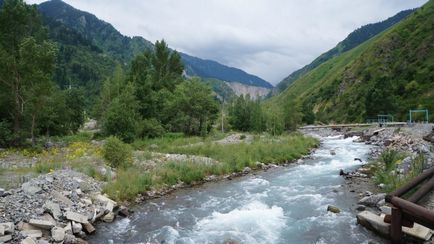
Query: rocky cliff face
column 255, row 92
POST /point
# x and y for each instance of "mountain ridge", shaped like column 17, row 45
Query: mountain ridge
column 125, row 48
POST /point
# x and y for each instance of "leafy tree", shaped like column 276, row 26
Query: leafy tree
column 111, row 89
column 155, row 74
column 275, row 120
column 121, row 118
column 292, row 115
column 26, row 63
column 193, row 108
column 74, row 100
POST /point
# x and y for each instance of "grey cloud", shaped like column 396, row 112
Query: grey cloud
column 269, row 38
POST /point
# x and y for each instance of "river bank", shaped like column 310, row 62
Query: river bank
column 410, row 145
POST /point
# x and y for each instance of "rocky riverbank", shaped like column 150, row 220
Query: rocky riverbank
column 59, row 207
column 411, row 141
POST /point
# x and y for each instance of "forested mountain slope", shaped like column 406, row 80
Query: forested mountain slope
column 354, row 39
column 122, row 49
column 389, row 74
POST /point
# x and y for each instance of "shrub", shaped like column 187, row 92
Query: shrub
column 116, row 153
column 128, row 184
column 151, row 128
column 6, row 136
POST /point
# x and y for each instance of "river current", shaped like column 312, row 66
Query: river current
column 282, row 205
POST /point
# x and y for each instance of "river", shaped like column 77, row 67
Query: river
column 283, row 205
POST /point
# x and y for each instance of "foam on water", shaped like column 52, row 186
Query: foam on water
column 255, row 222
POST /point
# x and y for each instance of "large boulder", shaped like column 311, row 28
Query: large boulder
column 373, row 200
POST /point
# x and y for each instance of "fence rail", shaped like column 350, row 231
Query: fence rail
column 406, row 212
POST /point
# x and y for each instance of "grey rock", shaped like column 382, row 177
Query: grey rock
column 70, row 239
column 43, row 224
column 333, row 209
column 360, row 208
column 76, row 227
column 31, row 233
column 8, row 227
column 108, row 218
column 28, row 240
column 5, row 238
column 371, row 201
column 88, row 228
column 76, row 217
column 58, row 234
column 30, row 188
column 247, row 170
column 53, row 209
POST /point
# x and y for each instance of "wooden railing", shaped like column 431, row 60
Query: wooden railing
column 407, row 212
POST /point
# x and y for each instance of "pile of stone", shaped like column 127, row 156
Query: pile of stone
column 60, row 207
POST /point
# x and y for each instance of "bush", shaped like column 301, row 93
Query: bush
column 116, row 153
column 6, row 136
column 151, row 128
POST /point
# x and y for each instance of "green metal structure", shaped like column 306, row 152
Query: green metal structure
column 419, row 111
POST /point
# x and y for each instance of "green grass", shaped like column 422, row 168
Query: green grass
column 261, row 149
column 231, row 157
column 386, row 174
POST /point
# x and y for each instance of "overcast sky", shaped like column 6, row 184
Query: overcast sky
column 268, row 38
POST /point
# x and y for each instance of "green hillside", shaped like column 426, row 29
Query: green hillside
column 354, row 39
column 389, row 74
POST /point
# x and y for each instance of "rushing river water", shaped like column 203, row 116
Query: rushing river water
column 283, row 205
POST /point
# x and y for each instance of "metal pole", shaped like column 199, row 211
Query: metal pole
column 410, row 116
column 396, row 226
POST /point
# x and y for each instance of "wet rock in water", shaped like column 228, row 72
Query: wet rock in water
column 360, row 208
column 108, row 218
column 123, row 211
column 247, row 170
column 373, row 200
column 333, row 209
column 229, row 241
column 58, row 234
column 332, row 152
column 88, row 228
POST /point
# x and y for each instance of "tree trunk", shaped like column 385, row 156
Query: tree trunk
column 32, row 130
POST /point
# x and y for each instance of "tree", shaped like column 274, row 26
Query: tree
column 26, row 63
column 155, row 74
column 74, row 100
column 292, row 115
column 122, row 118
column 111, row 89
column 193, row 108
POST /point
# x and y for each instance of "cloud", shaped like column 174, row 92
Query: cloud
column 268, row 38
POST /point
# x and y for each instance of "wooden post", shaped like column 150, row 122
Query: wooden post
column 396, row 226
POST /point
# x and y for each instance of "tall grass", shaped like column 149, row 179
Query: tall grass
column 231, row 157
column 387, row 175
